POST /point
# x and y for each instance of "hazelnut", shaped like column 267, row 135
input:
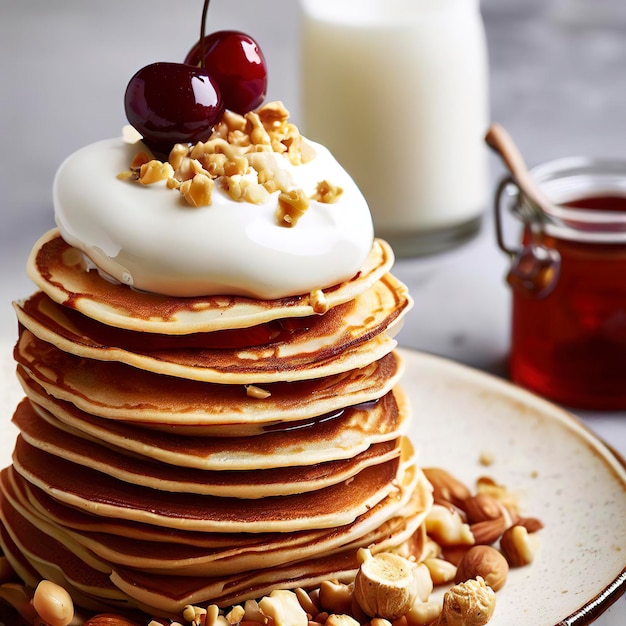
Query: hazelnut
column 486, row 562
column 470, row 603
column 519, row 546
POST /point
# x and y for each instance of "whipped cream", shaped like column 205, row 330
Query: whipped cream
column 147, row 237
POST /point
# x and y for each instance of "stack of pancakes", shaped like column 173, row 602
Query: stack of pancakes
column 205, row 450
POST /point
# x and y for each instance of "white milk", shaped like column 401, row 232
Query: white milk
column 398, row 90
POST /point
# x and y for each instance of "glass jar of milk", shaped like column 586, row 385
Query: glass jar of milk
column 398, row 91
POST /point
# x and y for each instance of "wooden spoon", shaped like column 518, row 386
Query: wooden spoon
column 535, row 267
column 501, row 142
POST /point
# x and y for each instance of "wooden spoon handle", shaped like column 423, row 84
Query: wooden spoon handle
column 501, row 142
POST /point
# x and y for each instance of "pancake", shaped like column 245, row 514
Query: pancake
column 111, row 532
column 350, row 336
column 117, row 391
column 45, row 435
column 392, row 516
column 100, row 494
column 342, row 436
column 61, row 271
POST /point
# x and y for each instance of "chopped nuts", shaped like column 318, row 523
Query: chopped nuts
column 235, row 615
column 327, row 192
column 441, row 571
column 486, row 562
column 198, row 190
column 256, row 392
column 141, row 158
column 177, row 155
column 292, row 205
column 194, row 614
column 423, row 613
column 335, row 597
column 154, row 171
column 240, row 146
column 283, row 607
column 447, row 528
column 252, row 612
column 318, row 301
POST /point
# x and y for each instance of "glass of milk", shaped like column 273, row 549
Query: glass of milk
column 398, row 91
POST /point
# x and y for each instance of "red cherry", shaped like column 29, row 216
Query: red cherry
column 172, row 103
column 237, row 64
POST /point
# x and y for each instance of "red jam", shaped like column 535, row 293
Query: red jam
column 570, row 346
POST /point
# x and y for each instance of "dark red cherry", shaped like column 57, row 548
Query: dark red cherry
column 237, row 64
column 172, row 103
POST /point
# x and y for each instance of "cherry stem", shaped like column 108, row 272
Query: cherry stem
column 205, row 10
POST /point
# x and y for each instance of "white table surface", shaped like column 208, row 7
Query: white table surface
column 557, row 83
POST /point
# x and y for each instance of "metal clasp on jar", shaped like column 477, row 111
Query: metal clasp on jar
column 535, row 268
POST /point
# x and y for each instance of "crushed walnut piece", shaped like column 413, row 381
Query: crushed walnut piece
column 327, row 192
column 240, row 157
column 292, row 205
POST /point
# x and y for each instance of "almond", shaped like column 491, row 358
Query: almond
column 482, row 507
column 446, row 488
column 489, row 531
column 531, row 524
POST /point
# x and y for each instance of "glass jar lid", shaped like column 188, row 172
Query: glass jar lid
column 573, row 179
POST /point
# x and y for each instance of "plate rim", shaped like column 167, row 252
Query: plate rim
column 593, row 608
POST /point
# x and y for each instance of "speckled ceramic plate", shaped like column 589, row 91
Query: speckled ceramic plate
column 563, row 474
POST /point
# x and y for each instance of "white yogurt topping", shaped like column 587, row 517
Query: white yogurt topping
column 148, row 237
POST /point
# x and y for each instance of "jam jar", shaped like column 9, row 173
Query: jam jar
column 568, row 282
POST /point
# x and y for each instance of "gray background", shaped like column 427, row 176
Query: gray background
column 558, row 83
